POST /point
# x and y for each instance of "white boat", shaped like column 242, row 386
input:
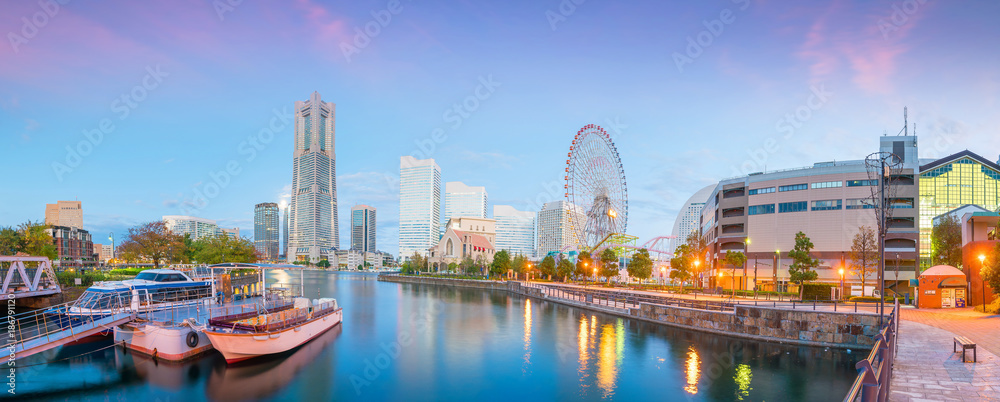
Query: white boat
column 245, row 336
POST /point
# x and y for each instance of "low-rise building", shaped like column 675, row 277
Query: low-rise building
column 74, row 247
column 980, row 235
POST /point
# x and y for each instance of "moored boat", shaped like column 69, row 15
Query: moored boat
column 247, row 335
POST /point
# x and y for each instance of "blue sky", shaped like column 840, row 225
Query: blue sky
column 184, row 89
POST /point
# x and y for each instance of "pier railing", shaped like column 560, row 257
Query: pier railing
column 875, row 372
column 626, row 300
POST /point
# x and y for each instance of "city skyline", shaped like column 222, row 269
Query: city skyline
column 831, row 74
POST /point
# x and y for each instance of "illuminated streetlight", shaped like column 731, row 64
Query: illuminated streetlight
column 841, row 282
column 982, row 281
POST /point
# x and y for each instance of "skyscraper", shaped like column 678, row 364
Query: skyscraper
column 284, row 230
column 64, row 213
column 419, row 205
column 689, row 217
column 313, row 210
column 463, row 201
column 363, row 228
column 555, row 226
column 265, row 230
column 515, row 230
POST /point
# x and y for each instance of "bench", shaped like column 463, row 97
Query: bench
column 966, row 344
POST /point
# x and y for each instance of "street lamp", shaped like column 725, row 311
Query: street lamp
column 841, row 281
column 982, row 281
column 720, row 280
column 697, row 263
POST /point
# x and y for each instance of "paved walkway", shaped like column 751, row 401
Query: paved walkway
column 927, row 370
column 983, row 329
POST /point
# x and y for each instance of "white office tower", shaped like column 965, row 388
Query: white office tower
column 463, row 201
column 515, row 230
column 419, row 205
column 555, row 227
column 313, row 210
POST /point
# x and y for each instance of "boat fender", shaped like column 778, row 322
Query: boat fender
column 192, row 339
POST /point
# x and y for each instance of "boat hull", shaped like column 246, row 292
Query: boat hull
column 237, row 347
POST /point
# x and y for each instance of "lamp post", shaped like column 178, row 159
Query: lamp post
column 746, row 252
column 841, row 281
column 595, row 276
column 982, row 281
column 777, row 255
column 720, row 278
column 111, row 236
column 697, row 263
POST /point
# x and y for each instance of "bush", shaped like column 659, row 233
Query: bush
column 992, row 308
column 872, row 299
column 126, row 271
column 816, row 291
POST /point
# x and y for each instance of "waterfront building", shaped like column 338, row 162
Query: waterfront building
column 363, row 228
column 760, row 213
column 555, row 227
column 64, row 213
column 231, row 232
column 689, row 217
column 196, row 227
column 284, row 231
column 980, row 235
column 313, row 209
column 964, row 178
column 515, row 230
column 419, row 205
column 265, row 230
column 461, row 200
column 457, row 245
column 74, row 247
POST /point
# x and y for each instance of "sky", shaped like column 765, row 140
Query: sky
column 136, row 109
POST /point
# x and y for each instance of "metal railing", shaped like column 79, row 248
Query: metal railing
column 37, row 328
column 626, row 300
column 875, row 372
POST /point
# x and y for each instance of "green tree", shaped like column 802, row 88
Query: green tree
column 452, row 267
column 501, row 263
column 519, row 264
column 324, row 263
column 864, row 254
column 641, row 265
column 10, row 241
column 565, row 269
column 682, row 265
column 609, row 264
column 548, row 266
column 468, row 266
column 152, row 241
column 990, row 270
column 36, row 240
column 697, row 247
column 801, row 269
column 584, row 264
column 224, row 248
column 946, row 242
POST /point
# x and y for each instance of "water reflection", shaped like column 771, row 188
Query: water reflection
column 692, row 371
column 583, row 341
column 607, row 363
column 527, row 336
column 742, row 378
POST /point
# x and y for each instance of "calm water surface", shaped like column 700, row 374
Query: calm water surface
column 426, row 343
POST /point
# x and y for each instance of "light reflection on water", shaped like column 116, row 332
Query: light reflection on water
column 464, row 344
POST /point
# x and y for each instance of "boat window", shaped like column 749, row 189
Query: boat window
column 172, row 278
column 147, row 276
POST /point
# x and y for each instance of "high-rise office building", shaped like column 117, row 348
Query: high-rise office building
column 64, row 213
column 363, row 228
column 265, row 230
column 555, row 227
column 419, row 205
column 196, row 227
column 284, row 231
column 689, row 216
column 515, row 230
column 313, row 210
column 463, row 201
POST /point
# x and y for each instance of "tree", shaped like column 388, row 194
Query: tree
column 518, row 264
column 35, row 240
column 990, row 270
column 452, row 267
column 10, row 241
column 735, row 259
column 641, row 265
column 584, row 263
column 682, row 265
column 468, row 266
column 548, row 266
column 946, row 242
column 224, row 248
column 697, row 247
column 324, row 263
column 152, row 241
column 864, row 254
column 501, row 263
column 609, row 264
column 801, row 269
column 565, row 269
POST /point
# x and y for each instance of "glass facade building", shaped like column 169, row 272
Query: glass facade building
column 952, row 182
column 419, row 205
column 515, row 230
column 265, row 230
column 313, row 210
column 463, row 201
column 363, row 228
column 190, row 225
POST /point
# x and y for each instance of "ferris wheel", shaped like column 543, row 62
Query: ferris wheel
column 595, row 185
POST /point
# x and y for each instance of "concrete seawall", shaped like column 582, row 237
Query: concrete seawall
column 803, row 327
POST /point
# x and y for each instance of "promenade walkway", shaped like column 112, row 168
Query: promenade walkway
column 927, row 370
column 984, row 329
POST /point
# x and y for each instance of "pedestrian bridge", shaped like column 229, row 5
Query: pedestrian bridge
column 40, row 330
column 27, row 277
